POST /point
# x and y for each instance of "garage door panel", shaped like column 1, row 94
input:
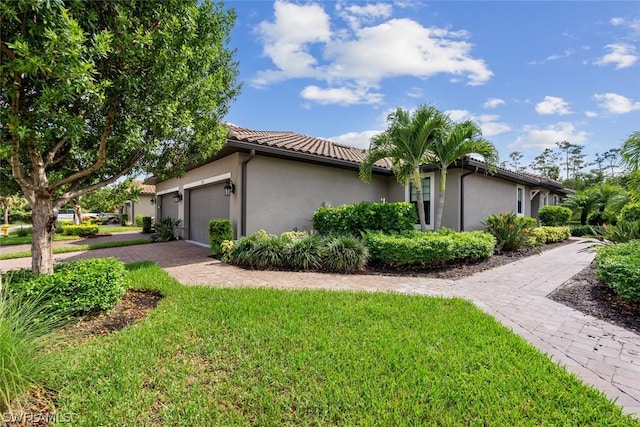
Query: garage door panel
column 206, row 203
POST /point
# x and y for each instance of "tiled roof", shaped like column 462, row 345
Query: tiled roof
column 298, row 143
column 146, row 188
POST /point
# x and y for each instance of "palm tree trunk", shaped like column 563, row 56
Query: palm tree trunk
column 417, row 183
column 443, row 185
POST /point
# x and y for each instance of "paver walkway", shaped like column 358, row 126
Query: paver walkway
column 601, row 354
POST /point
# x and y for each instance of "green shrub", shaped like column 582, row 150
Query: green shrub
column 139, row 220
column 166, row 230
column 358, row 218
column 219, row 231
column 23, row 232
column 554, row 216
column 79, row 287
column 296, row 251
column 124, row 219
column 25, row 326
column 511, row 231
column 303, row 252
column 344, row 254
column 630, row 212
column 622, row 231
column 81, row 230
column 578, row 230
column 428, row 249
column 619, row 268
column 147, row 225
column 547, row 234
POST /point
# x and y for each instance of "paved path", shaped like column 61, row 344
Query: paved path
column 602, row 355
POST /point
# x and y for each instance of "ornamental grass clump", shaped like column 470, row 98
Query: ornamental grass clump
column 26, row 323
column 511, row 231
column 344, row 254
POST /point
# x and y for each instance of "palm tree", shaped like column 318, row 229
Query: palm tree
column 457, row 140
column 631, row 151
column 406, row 142
column 583, row 202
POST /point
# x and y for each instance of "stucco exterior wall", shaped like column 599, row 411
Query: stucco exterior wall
column 485, row 195
column 143, row 207
column 283, row 194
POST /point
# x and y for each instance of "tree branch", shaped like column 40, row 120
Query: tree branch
column 48, row 160
column 102, row 150
column 6, row 51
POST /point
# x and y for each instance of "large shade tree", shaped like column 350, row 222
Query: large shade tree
column 455, row 141
column 95, row 90
column 405, row 142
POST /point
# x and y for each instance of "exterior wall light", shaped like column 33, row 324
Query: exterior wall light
column 153, row 201
column 229, row 188
column 177, row 197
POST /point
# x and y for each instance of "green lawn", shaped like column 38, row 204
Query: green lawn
column 211, row 356
column 14, row 239
column 80, row 248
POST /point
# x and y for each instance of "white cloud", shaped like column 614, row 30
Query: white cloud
column 615, row 103
column 356, row 139
column 553, row 105
column 302, row 42
column 488, row 122
column 415, row 92
column 494, row 102
column 341, row 95
column 554, row 57
column 623, row 55
column 616, row 22
column 591, row 114
column 541, row 138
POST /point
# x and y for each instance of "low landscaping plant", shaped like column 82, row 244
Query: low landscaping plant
column 578, row 230
column 630, row 212
column 138, row 220
column 622, row 231
column 81, row 230
column 219, row 231
column 166, row 230
column 358, row 218
column 511, row 231
column 554, row 216
column 428, row 249
column 25, row 335
column 23, row 232
column 147, row 225
column 77, row 287
column 619, row 268
column 296, row 251
column 547, row 234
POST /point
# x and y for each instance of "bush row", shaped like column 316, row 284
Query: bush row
column 296, row 251
column 619, row 268
column 547, row 234
column 81, row 230
column 428, row 249
column 74, row 288
column 358, row 218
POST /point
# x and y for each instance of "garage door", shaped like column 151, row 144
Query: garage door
column 168, row 208
column 206, row 203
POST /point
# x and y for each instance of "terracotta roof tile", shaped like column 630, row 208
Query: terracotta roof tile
column 302, row 144
column 146, row 188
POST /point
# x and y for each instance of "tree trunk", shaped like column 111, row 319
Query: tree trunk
column 583, row 217
column 417, row 183
column 6, row 215
column 443, row 186
column 44, row 226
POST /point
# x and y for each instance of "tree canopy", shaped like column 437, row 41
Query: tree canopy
column 94, row 90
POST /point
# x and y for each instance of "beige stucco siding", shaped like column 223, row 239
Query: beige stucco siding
column 283, row 194
column 485, row 195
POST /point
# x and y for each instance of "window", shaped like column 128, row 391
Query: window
column 426, row 196
column 520, row 200
column 556, row 200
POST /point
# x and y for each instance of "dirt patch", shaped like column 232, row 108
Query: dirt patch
column 587, row 294
column 133, row 306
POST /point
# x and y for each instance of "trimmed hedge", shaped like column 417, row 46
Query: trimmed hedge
column 619, row 268
column 554, row 216
column 547, row 234
column 147, row 225
column 296, row 251
column 365, row 216
column 139, row 220
column 81, row 230
column 219, row 231
column 78, row 287
column 428, row 249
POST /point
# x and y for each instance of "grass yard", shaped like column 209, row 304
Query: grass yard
column 13, row 239
column 211, row 356
column 80, row 248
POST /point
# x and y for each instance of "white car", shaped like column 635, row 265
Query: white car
column 66, row 215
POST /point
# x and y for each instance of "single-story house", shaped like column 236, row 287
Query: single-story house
column 275, row 180
column 144, row 205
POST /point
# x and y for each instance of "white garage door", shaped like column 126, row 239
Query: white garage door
column 206, row 203
column 168, row 208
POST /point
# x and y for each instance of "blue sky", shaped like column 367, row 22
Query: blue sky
column 531, row 73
